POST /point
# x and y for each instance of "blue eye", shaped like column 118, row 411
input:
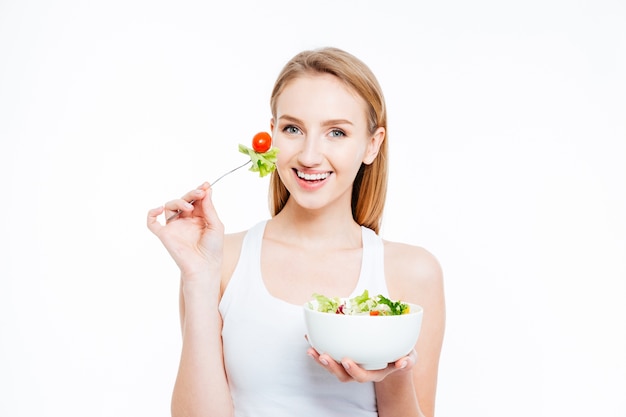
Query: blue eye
column 291, row 130
column 336, row 133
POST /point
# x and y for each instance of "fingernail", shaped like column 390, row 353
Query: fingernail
column 324, row 361
column 188, row 205
column 404, row 365
column 346, row 365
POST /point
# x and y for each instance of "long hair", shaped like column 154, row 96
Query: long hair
column 370, row 185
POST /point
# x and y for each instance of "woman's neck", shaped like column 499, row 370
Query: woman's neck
column 316, row 228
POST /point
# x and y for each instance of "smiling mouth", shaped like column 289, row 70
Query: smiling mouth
column 312, row 177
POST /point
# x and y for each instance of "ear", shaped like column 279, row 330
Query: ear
column 374, row 146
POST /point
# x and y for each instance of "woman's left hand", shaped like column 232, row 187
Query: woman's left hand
column 348, row 370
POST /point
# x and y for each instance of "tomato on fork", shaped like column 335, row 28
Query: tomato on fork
column 262, row 142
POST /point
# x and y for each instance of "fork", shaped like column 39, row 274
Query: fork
column 173, row 216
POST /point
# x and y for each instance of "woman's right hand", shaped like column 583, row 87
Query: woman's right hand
column 195, row 237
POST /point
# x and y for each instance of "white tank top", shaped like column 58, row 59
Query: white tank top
column 269, row 372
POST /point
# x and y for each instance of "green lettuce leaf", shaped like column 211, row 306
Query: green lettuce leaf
column 263, row 163
column 325, row 304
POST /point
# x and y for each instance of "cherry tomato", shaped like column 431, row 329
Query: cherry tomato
column 262, row 142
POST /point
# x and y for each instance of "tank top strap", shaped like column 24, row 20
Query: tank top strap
column 246, row 276
column 372, row 276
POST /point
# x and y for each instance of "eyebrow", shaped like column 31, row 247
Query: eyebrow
column 331, row 122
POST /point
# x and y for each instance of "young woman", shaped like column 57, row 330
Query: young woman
column 244, row 352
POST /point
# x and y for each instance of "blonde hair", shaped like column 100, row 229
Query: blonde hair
column 370, row 185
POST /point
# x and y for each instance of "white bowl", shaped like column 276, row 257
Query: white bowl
column 371, row 341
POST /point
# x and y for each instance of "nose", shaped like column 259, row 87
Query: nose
column 310, row 154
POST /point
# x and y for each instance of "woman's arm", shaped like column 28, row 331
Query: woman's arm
column 201, row 387
column 414, row 275
column 195, row 240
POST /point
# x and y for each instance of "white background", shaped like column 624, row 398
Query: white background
column 507, row 133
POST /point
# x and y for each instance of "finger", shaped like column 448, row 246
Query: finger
column 334, row 368
column 186, row 202
column 406, row 362
column 193, row 195
column 362, row 375
column 329, row 364
column 177, row 206
column 209, row 212
column 204, row 186
column 313, row 353
column 152, row 220
column 354, row 371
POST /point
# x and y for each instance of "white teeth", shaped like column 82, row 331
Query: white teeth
column 313, row 177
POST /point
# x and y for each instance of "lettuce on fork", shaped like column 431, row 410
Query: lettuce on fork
column 263, row 163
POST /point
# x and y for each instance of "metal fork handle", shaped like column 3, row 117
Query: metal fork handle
column 173, row 216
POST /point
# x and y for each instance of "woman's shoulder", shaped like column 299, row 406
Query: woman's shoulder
column 234, row 240
column 411, row 270
column 233, row 243
column 411, row 259
column 232, row 249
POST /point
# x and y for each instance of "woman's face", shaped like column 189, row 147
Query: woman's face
column 321, row 131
